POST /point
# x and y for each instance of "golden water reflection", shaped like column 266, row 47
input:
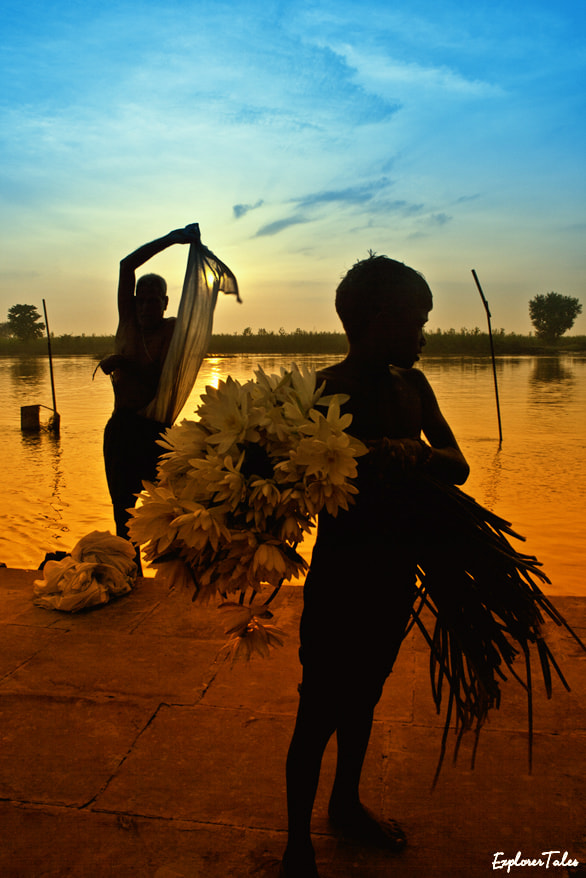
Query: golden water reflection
column 55, row 488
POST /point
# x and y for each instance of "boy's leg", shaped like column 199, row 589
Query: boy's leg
column 353, row 730
column 353, row 735
column 313, row 729
column 347, row 813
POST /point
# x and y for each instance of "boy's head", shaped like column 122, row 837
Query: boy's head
column 379, row 284
column 151, row 300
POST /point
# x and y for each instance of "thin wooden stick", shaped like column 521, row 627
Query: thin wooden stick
column 496, row 389
column 56, row 416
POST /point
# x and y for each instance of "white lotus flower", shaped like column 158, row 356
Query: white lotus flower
column 224, row 412
column 197, row 526
column 151, row 520
column 183, row 442
column 271, row 564
column 304, row 388
column 320, row 495
column 331, row 459
column 249, row 633
column 176, row 573
column 264, row 497
column 212, row 477
column 231, row 490
column 293, row 528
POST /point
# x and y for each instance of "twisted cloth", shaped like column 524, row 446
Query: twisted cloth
column 205, row 277
column 99, row 567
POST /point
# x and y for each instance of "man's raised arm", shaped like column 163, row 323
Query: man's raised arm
column 127, row 279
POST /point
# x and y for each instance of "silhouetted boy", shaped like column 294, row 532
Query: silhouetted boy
column 360, row 587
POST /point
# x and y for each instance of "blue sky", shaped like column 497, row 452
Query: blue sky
column 299, row 135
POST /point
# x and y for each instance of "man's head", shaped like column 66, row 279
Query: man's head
column 383, row 304
column 151, row 300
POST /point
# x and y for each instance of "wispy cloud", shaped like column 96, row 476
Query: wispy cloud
column 439, row 219
column 464, row 199
column 240, row 210
column 368, row 196
column 395, row 79
column 280, row 225
column 354, row 195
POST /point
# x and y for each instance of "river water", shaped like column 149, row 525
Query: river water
column 56, row 492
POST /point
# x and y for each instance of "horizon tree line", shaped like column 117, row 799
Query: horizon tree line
column 551, row 314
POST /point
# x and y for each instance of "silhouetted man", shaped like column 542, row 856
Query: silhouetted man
column 143, row 337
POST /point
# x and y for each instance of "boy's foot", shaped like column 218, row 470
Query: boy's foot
column 359, row 825
column 296, row 865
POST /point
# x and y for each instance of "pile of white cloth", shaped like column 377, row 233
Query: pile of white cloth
column 100, row 566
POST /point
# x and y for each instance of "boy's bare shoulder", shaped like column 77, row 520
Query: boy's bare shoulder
column 339, row 378
column 415, row 377
column 417, row 380
column 420, row 387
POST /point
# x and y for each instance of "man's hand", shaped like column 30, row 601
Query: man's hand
column 189, row 235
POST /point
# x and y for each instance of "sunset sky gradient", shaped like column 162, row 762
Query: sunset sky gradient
column 299, row 135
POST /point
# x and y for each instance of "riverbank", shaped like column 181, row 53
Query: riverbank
column 465, row 343
column 129, row 748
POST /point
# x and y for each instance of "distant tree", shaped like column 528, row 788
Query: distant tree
column 553, row 314
column 5, row 330
column 23, row 321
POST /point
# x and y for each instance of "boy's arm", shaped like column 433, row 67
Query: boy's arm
column 445, row 461
column 128, row 265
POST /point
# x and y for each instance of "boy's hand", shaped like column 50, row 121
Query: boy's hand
column 406, row 454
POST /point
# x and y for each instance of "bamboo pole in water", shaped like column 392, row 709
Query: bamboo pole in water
column 56, row 419
column 496, row 389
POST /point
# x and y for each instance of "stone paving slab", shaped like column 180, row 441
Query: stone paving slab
column 501, row 799
column 58, row 842
column 129, row 748
column 214, row 758
column 59, row 750
column 120, row 665
column 243, row 753
column 19, row 644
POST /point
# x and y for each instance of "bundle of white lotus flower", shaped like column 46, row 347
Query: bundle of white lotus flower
column 238, row 490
